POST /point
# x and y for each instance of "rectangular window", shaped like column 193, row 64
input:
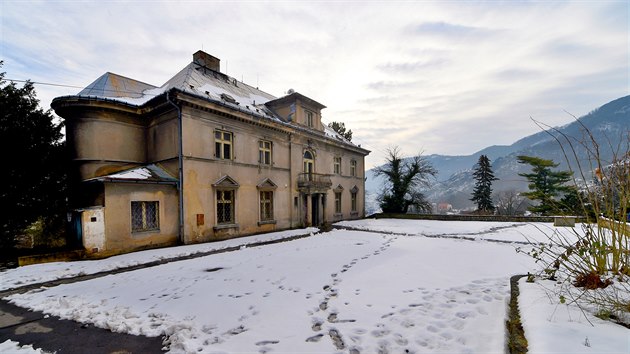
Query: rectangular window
column 223, row 145
column 353, row 200
column 264, row 152
column 309, row 118
column 225, row 207
column 337, row 165
column 353, row 168
column 337, row 202
column 266, row 205
column 145, row 216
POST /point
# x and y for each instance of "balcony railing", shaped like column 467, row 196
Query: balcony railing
column 314, row 182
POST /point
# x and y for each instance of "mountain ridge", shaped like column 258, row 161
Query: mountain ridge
column 608, row 124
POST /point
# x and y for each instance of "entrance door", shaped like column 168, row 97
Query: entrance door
column 315, row 205
column 76, row 229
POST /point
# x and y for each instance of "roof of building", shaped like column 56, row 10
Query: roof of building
column 296, row 95
column 113, row 85
column 203, row 82
column 143, row 174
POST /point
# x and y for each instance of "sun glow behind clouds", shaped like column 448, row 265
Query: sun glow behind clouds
column 443, row 77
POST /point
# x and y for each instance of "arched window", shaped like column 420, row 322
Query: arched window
column 309, row 162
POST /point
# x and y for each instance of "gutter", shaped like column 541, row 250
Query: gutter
column 180, row 157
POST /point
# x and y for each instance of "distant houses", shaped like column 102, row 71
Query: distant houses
column 203, row 157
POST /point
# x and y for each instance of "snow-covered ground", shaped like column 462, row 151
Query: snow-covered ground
column 39, row 273
column 12, row 347
column 342, row 291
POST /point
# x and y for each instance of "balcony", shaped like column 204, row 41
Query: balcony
column 313, row 183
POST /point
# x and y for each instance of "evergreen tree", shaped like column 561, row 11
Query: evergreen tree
column 34, row 187
column 404, row 176
column 545, row 185
column 482, row 194
column 340, row 128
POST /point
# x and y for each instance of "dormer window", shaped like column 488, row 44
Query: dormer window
column 228, row 98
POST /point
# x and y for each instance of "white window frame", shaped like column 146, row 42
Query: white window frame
column 337, row 165
column 220, row 143
column 265, row 152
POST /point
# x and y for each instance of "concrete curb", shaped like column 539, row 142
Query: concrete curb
column 516, row 342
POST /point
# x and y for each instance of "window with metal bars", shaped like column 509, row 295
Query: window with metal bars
column 225, row 207
column 145, row 216
column 266, row 205
column 353, row 200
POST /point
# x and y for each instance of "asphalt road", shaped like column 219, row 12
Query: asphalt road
column 56, row 335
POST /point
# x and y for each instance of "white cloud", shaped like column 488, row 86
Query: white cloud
column 443, row 77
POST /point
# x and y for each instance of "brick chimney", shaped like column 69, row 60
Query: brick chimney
column 206, row 60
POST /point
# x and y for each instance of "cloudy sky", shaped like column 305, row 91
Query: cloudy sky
column 444, row 77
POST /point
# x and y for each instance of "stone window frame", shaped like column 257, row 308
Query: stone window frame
column 264, row 187
column 353, row 199
column 224, row 184
column 338, row 193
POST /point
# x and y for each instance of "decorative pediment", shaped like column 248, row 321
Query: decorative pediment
column 339, row 188
column 226, row 182
column 266, row 184
column 354, row 189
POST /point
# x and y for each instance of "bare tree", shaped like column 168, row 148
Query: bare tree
column 510, row 202
column 403, row 178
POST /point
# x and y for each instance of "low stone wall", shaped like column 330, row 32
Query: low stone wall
column 495, row 218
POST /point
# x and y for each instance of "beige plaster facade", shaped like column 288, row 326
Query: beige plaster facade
column 205, row 158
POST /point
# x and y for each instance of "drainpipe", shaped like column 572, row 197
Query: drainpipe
column 180, row 157
column 291, row 206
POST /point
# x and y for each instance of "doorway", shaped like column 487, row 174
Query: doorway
column 315, row 209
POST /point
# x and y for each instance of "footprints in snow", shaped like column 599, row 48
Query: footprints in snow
column 331, row 315
column 438, row 322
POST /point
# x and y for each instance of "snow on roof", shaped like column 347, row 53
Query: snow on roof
column 192, row 79
column 331, row 133
column 112, row 85
column 201, row 82
column 150, row 173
